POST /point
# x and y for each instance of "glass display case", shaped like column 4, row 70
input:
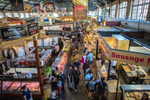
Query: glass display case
column 13, row 86
column 134, row 92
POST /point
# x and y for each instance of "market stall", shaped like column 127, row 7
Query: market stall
column 134, row 92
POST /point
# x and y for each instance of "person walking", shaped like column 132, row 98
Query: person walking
column 26, row 93
column 82, row 63
column 85, row 66
column 69, row 75
column 90, row 58
column 91, row 88
column 57, row 48
column 102, row 58
column 87, row 79
column 145, row 96
column 76, row 76
column 101, row 87
column 54, row 85
column 76, row 44
column 77, row 63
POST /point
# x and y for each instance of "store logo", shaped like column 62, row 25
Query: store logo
column 80, row 8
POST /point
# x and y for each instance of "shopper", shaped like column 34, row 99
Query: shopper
column 57, row 48
column 73, row 52
column 72, row 65
column 84, row 32
column 101, row 87
column 85, row 66
column 90, row 58
column 77, row 63
column 113, row 64
column 86, row 51
column 69, row 75
column 76, row 44
column 54, row 85
column 83, row 60
column 26, row 93
column 145, row 96
column 72, row 58
column 53, row 95
column 87, row 79
column 91, row 88
column 76, row 76
column 57, row 73
column 102, row 58
column 59, row 86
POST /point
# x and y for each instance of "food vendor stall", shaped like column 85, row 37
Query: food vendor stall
column 134, row 92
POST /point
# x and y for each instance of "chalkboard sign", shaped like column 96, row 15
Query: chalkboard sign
column 11, row 33
column 67, row 29
column 33, row 29
column 53, row 32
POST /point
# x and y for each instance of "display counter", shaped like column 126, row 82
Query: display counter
column 130, row 73
column 12, row 87
column 134, row 92
column 111, row 91
column 104, row 71
column 60, row 62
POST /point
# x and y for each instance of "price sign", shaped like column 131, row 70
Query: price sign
column 32, row 29
column 53, row 32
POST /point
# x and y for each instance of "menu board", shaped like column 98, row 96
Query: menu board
column 11, row 33
column 53, row 32
column 33, row 29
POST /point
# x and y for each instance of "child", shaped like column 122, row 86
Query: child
column 53, row 95
column 59, row 86
column 91, row 88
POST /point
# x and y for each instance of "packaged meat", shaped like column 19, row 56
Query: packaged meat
column 15, row 86
column 7, row 86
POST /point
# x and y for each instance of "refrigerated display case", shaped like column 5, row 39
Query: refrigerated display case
column 134, row 92
column 12, row 87
column 104, row 71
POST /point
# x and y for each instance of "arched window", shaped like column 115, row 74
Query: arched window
column 27, row 15
column 16, row 15
column 22, row 15
column 122, row 10
column 113, row 11
column 140, row 9
column 106, row 12
column 1, row 15
column 8, row 14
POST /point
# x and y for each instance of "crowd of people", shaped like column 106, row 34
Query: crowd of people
column 78, row 69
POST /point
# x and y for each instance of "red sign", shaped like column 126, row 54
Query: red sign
column 80, row 8
column 64, row 26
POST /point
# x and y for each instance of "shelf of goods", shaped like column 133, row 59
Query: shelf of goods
column 29, row 61
column 12, row 87
column 107, row 30
column 90, row 43
column 134, row 92
column 60, row 62
column 130, row 72
column 104, row 71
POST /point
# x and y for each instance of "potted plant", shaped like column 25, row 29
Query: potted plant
column 47, row 73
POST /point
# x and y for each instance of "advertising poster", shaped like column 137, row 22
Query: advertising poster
column 33, row 29
column 13, row 33
column 17, row 5
column 37, row 8
column 80, row 9
column 49, row 6
column 27, row 7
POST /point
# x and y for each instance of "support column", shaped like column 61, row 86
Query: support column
column 129, row 9
column 97, row 50
column 108, row 76
column 148, row 13
column 38, row 67
column 117, row 9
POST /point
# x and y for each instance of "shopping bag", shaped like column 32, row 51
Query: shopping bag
column 70, row 85
column 31, row 98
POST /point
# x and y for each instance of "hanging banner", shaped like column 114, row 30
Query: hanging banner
column 49, row 6
column 17, row 5
column 37, row 8
column 130, row 57
column 27, row 7
column 33, row 29
column 80, row 9
column 53, row 32
column 12, row 33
